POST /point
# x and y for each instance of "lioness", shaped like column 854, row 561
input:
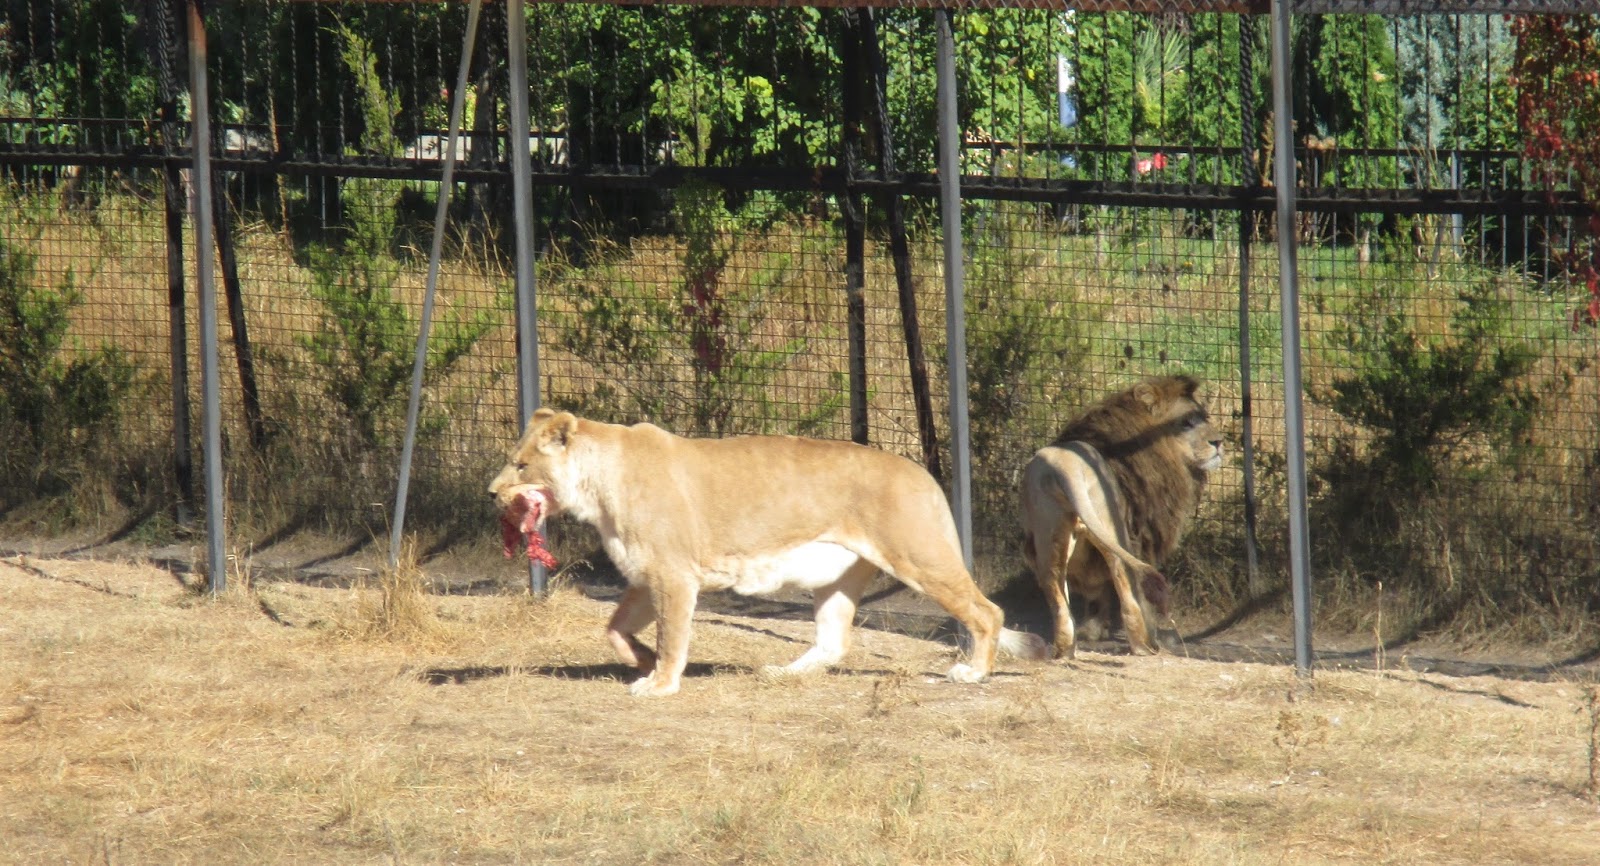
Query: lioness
column 1125, row 474
column 751, row 514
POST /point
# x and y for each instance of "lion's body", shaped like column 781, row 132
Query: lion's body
column 752, row 514
column 1115, row 492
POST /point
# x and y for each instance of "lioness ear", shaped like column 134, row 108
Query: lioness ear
column 556, row 433
column 542, row 413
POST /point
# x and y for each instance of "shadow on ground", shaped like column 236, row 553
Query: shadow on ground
column 1234, row 636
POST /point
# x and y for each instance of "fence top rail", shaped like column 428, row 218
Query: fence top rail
column 1249, row 7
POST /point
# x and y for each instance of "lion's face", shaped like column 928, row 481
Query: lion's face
column 1205, row 444
column 1182, row 414
column 538, row 462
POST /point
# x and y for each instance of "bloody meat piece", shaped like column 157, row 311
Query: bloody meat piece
column 520, row 523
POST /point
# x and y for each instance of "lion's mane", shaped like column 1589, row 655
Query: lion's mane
column 1159, row 484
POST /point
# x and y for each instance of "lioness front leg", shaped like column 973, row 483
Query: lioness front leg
column 674, row 602
column 634, row 612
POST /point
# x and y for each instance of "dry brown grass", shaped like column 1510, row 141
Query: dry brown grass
column 398, row 608
column 142, row 723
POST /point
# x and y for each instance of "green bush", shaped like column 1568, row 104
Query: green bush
column 1422, row 393
column 1027, row 348
column 367, row 341
column 694, row 360
column 1447, row 412
column 55, row 398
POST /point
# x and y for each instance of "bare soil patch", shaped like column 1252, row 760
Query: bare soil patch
column 141, row 721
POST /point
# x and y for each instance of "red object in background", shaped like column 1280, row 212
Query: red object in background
column 1151, row 163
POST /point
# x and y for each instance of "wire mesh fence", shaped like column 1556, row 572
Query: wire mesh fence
column 708, row 181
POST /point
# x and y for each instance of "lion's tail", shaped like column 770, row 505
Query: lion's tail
column 1092, row 516
column 1157, row 590
column 1023, row 645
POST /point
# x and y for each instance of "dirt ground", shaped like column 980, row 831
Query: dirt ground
column 144, row 722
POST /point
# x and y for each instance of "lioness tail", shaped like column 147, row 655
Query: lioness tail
column 1023, row 645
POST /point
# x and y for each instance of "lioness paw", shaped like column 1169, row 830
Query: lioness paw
column 962, row 672
column 652, row 687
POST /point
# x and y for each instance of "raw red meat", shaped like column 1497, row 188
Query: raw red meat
column 520, row 523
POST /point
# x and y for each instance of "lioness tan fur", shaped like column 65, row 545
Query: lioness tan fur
column 1125, row 476
column 751, row 514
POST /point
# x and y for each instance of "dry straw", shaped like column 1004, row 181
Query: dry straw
column 400, row 609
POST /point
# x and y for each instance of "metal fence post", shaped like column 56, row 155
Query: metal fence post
column 200, row 207
column 164, row 16
column 522, row 209
column 1247, row 216
column 954, row 273
column 442, row 210
column 1289, row 291
column 852, row 210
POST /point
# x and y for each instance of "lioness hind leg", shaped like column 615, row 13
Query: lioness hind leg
column 836, row 614
column 960, row 597
column 935, row 568
column 634, row 612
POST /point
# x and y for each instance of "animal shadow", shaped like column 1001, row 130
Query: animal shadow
column 615, row 672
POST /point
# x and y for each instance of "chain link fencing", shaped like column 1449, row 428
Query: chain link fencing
column 708, row 183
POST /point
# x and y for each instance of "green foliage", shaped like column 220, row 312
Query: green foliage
column 1159, row 70
column 1162, row 81
column 1024, row 346
column 727, row 116
column 378, row 106
column 14, row 100
column 54, row 399
column 640, row 342
column 733, row 86
column 1454, row 93
column 1102, row 49
column 1005, row 72
column 1346, row 93
column 367, row 341
column 1445, row 499
column 83, row 70
column 1422, row 393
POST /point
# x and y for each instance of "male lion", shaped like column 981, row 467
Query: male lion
column 1125, row 476
column 751, row 514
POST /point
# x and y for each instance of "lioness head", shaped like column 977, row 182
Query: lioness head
column 538, row 462
column 1181, row 414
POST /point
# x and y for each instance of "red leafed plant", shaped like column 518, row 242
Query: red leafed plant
column 1557, row 81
